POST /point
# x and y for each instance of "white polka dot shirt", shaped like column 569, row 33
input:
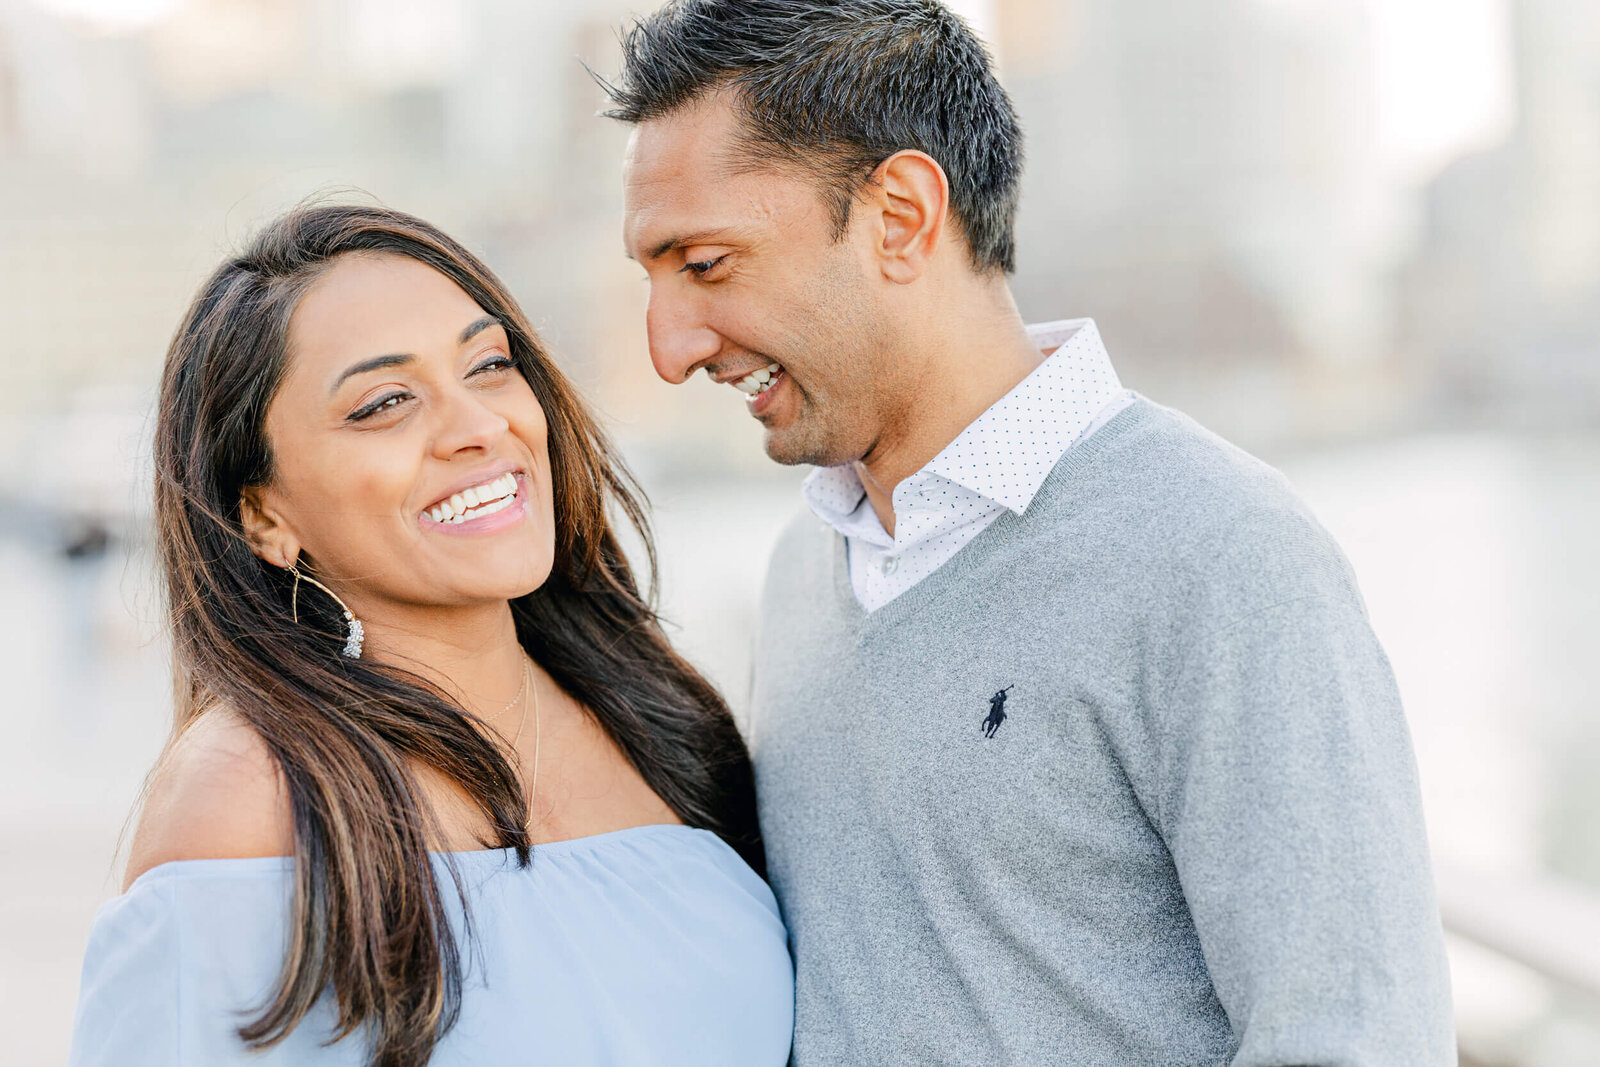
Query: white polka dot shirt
column 996, row 464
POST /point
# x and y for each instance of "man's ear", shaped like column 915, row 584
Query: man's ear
column 268, row 535
column 911, row 195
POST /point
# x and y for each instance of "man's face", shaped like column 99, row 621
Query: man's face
column 748, row 283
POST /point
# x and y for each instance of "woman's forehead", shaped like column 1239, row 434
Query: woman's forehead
column 369, row 305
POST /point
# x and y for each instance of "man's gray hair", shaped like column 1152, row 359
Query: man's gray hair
column 837, row 87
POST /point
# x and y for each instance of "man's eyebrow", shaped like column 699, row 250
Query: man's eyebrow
column 476, row 328
column 682, row 240
column 375, row 363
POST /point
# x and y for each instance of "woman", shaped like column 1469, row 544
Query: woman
column 439, row 789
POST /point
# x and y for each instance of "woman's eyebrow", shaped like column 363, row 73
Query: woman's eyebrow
column 400, row 358
column 476, row 328
column 375, row 363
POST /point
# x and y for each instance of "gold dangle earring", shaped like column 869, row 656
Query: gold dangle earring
column 353, row 639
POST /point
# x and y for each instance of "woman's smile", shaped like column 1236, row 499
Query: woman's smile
column 403, row 426
column 485, row 507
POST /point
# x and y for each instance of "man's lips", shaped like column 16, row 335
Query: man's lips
column 760, row 402
column 758, row 385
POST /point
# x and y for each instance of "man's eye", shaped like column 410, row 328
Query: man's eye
column 383, row 403
column 699, row 268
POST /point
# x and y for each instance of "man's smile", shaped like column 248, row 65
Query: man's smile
column 759, row 380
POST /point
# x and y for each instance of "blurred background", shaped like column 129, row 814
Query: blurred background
column 1358, row 237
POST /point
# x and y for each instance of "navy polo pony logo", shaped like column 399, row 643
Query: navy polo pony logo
column 997, row 712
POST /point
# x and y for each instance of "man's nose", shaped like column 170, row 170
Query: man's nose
column 681, row 342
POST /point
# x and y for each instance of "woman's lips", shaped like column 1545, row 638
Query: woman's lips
column 493, row 522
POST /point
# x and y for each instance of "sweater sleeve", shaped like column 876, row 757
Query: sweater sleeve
column 1289, row 801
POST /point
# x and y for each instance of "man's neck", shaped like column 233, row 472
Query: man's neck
column 976, row 356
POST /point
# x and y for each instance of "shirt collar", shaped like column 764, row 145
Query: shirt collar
column 1007, row 452
column 836, row 496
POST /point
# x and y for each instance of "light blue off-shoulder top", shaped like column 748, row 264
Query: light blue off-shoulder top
column 654, row 945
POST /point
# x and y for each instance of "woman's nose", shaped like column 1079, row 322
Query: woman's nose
column 467, row 423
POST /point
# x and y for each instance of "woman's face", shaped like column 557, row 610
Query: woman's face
column 410, row 455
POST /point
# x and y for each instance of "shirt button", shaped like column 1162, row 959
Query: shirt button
column 890, row 564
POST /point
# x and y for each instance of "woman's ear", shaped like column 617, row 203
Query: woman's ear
column 268, row 535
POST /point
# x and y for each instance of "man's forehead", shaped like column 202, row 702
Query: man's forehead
column 678, row 185
column 679, row 156
column 668, row 208
column 705, row 122
column 654, row 226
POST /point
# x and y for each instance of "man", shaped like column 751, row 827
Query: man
column 1189, row 830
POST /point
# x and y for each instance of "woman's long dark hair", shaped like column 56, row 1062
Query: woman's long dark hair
column 368, row 920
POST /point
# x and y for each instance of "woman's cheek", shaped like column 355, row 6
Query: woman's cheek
column 364, row 500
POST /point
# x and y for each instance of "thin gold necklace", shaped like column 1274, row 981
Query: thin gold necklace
column 523, row 718
column 528, row 682
column 523, row 688
column 533, row 789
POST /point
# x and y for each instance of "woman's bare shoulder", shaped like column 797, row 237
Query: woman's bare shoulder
column 216, row 794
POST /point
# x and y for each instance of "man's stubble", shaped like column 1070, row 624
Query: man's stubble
column 844, row 364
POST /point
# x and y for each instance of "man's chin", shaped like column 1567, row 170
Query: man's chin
column 792, row 446
column 782, row 447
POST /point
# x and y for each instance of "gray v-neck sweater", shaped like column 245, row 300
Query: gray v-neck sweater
column 1190, row 833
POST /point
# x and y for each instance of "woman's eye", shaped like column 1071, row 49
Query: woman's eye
column 700, row 268
column 494, row 363
column 381, row 404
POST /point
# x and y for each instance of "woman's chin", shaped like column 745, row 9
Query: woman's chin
column 505, row 587
column 448, row 584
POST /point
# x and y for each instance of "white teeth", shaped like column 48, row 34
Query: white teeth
column 480, row 500
column 501, row 486
column 757, row 381
column 487, row 509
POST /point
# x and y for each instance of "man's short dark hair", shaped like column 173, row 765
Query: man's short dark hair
column 838, row 87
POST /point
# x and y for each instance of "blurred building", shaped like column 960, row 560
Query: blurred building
column 1502, row 302
column 1205, row 179
column 132, row 160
